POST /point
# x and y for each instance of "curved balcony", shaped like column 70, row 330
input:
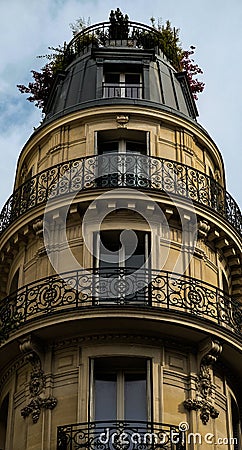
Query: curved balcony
column 120, row 434
column 121, row 287
column 108, row 34
column 127, row 170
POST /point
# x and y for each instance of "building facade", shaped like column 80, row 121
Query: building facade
column 120, row 253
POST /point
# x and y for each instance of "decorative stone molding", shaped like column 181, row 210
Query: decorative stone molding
column 23, row 173
column 203, row 229
column 38, row 227
column 41, row 252
column 11, row 370
column 209, row 352
column 207, row 410
column 217, row 175
column 122, row 121
column 124, row 338
column 37, row 382
column 35, row 406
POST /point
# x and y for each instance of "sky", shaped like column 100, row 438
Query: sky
column 29, row 27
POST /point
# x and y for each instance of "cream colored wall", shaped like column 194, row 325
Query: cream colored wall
column 67, row 367
column 76, row 139
column 168, row 252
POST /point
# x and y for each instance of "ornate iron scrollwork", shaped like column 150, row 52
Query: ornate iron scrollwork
column 120, row 435
column 157, row 289
column 141, row 172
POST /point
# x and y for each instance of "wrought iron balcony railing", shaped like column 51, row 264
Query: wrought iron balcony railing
column 117, row 435
column 122, row 90
column 113, row 170
column 121, row 287
column 105, row 34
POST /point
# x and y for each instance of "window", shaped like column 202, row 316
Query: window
column 112, row 254
column 124, row 162
column 120, row 389
column 122, row 81
column 119, row 255
column 122, row 141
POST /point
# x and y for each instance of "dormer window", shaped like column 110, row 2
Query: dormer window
column 120, row 83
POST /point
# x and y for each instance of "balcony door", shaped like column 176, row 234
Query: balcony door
column 123, row 158
column 115, row 250
column 120, row 389
column 121, row 257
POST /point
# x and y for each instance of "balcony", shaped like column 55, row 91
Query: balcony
column 122, row 90
column 134, row 35
column 126, row 170
column 160, row 292
column 116, row 435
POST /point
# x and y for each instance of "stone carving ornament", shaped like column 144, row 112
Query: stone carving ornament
column 37, row 383
column 204, row 390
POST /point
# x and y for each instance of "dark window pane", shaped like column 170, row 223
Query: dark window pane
column 112, row 78
column 105, row 398
column 107, row 147
column 132, row 78
column 135, row 400
column 137, row 147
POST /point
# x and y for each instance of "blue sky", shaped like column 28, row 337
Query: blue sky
column 28, row 27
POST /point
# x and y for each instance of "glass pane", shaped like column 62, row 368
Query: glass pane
column 107, row 147
column 105, row 399
column 109, row 249
column 112, row 78
column 137, row 257
column 132, row 78
column 135, row 400
column 136, row 147
column 107, row 175
column 135, row 261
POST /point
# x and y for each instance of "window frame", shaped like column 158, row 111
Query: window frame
column 120, row 391
column 120, row 87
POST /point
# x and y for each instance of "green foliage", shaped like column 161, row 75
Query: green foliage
column 163, row 36
column 168, row 41
column 80, row 25
column 119, row 25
